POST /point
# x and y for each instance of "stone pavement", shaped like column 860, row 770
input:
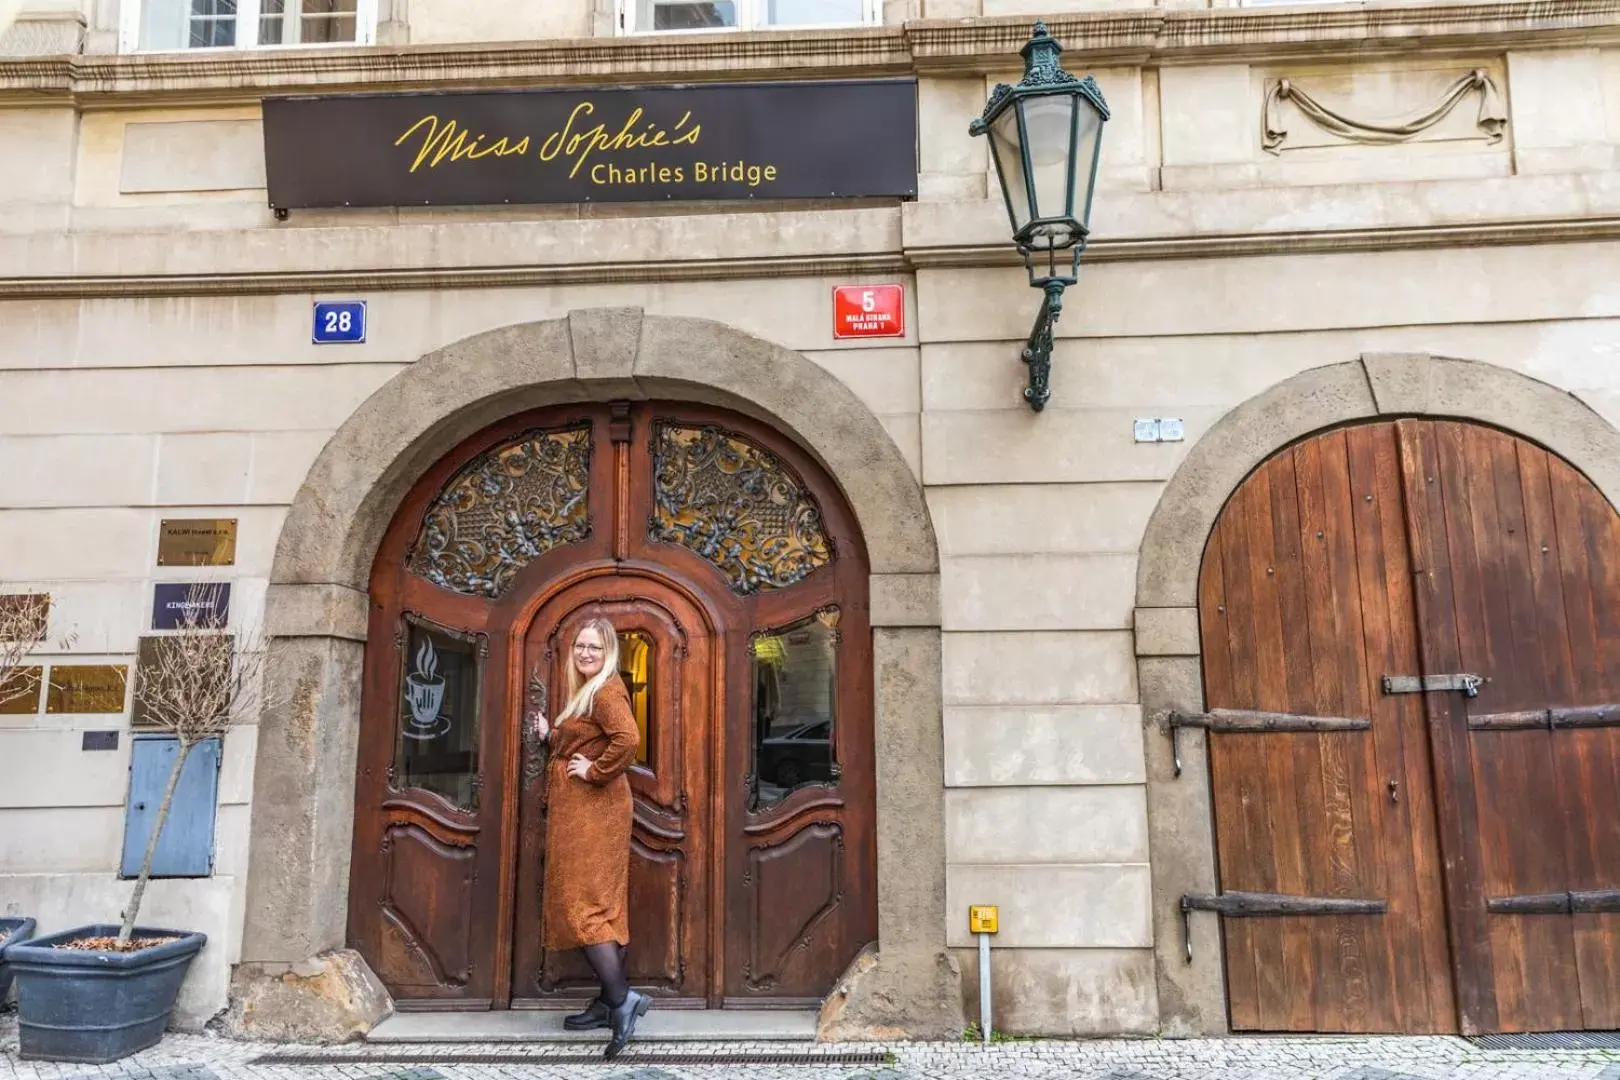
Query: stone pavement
column 205, row 1057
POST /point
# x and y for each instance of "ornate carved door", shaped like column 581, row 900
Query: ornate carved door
column 737, row 579
column 1412, row 661
column 667, row 661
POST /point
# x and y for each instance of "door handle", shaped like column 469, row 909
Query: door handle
column 534, row 750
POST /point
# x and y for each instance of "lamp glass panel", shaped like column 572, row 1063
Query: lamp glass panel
column 1088, row 144
column 1048, row 129
column 1009, row 153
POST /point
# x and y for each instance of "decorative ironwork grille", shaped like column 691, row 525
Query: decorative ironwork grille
column 736, row 505
column 505, row 509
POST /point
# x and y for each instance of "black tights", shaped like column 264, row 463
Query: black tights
column 607, row 961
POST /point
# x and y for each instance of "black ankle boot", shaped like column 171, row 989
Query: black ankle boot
column 594, row 1016
column 623, row 1018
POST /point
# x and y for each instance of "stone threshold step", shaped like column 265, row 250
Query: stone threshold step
column 664, row 1025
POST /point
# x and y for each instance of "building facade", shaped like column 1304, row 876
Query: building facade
column 1174, row 671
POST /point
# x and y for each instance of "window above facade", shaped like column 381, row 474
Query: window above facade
column 171, row 25
column 672, row 16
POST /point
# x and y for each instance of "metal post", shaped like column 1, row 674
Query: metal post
column 984, row 987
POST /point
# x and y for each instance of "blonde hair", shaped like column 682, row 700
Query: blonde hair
column 582, row 691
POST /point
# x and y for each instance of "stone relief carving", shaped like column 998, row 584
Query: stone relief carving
column 736, row 505
column 508, row 507
column 1491, row 122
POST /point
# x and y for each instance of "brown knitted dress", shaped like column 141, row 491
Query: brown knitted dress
column 585, row 897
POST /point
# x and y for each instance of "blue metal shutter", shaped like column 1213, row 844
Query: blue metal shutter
column 186, row 848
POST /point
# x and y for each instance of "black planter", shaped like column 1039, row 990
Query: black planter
column 11, row 932
column 96, row 1007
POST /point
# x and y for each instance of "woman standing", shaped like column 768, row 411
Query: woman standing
column 585, row 895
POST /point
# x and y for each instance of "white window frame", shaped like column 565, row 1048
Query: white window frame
column 747, row 20
column 247, row 22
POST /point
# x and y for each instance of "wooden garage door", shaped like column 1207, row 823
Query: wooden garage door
column 1402, row 857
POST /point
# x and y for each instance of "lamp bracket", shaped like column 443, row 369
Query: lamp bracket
column 1038, row 349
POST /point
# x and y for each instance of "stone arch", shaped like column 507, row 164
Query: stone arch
column 1192, row 996
column 316, row 617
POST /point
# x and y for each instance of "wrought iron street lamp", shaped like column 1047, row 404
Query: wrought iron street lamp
column 1045, row 134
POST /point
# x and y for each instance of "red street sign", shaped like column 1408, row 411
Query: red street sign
column 869, row 311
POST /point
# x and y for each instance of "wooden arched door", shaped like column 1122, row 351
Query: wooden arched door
column 737, row 581
column 1411, row 643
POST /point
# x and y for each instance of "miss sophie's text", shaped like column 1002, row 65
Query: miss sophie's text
column 577, row 142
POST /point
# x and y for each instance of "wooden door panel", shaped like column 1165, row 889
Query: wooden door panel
column 428, row 885
column 669, row 947
column 658, row 900
column 1588, row 762
column 1521, row 847
column 1520, row 585
column 1301, row 605
column 794, row 888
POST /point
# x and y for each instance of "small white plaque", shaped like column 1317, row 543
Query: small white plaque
column 1171, row 430
column 1147, row 431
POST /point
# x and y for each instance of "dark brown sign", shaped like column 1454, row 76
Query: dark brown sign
column 806, row 140
column 156, row 661
column 197, row 542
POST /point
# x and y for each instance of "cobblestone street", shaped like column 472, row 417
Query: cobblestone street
column 184, row 1057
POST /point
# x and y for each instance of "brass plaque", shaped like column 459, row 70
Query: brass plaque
column 24, row 616
column 87, row 688
column 197, row 542
column 148, row 656
column 19, row 692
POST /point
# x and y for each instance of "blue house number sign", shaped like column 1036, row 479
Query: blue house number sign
column 340, row 323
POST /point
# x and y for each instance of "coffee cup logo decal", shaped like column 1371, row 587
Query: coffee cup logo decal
column 424, row 693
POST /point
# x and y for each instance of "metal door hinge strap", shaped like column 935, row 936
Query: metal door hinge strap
column 1249, row 905
column 1423, row 684
column 1578, row 902
column 1235, row 721
column 1580, row 716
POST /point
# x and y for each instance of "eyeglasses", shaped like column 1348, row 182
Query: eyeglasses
column 588, row 648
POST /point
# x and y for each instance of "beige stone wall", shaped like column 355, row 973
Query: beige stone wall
column 155, row 362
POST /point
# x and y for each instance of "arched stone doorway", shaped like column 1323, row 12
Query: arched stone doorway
column 317, row 614
column 736, row 577
column 1175, row 670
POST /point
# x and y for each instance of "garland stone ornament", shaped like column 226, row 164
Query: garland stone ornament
column 736, row 505
column 508, row 507
column 1492, row 117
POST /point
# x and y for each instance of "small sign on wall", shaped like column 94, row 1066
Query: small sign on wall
column 207, row 605
column 86, row 688
column 197, row 542
column 866, row 311
column 339, row 322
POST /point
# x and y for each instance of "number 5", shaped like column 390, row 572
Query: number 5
column 868, row 301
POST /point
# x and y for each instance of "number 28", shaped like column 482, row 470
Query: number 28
column 339, row 322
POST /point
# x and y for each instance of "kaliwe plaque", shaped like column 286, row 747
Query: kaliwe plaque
column 197, row 542
column 19, row 691
column 798, row 140
column 87, row 688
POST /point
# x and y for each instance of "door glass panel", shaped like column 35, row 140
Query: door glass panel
column 437, row 745
column 795, row 703
column 636, row 669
